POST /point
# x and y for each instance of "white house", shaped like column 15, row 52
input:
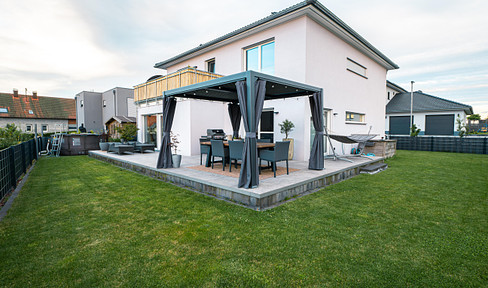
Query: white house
column 306, row 43
column 431, row 114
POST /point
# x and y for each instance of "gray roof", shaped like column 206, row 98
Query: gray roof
column 122, row 119
column 424, row 103
column 276, row 15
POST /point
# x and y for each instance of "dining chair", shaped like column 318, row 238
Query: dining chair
column 235, row 152
column 204, row 149
column 218, row 150
column 280, row 153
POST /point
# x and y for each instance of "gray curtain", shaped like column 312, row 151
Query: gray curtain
column 235, row 118
column 249, row 176
column 316, row 161
column 165, row 160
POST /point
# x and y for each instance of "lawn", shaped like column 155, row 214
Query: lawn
column 79, row 222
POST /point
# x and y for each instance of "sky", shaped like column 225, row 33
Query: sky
column 62, row 47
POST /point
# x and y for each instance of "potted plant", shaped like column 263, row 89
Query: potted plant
column 286, row 127
column 103, row 145
column 174, row 145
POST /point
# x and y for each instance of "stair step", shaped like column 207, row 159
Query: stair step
column 373, row 168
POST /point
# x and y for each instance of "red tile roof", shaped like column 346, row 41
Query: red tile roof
column 25, row 106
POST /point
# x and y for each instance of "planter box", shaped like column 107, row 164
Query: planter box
column 382, row 148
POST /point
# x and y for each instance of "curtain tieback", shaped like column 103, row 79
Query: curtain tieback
column 250, row 134
column 319, row 132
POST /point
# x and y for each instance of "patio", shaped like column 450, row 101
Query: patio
column 271, row 191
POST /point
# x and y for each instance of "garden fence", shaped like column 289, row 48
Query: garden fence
column 14, row 161
column 469, row 144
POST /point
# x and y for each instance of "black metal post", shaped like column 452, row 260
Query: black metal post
column 22, row 149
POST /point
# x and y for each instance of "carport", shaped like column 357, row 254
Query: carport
column 246, row 92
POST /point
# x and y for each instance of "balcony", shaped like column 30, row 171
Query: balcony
column 180, row 78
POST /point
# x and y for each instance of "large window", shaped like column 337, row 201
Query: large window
column 150, row 121
column 354, row 117
column 261, row 58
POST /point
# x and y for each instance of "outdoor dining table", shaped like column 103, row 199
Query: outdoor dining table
column 208, row 162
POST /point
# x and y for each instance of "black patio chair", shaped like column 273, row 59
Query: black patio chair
column 280, row 153
column 204, row 149
column 235, row 152
column 218, row 150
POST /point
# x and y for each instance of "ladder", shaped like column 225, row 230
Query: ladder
column 57, row 140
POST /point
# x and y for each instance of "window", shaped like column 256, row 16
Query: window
column 211, row 65
column 388, row 95
column 354, row 117
column 356, row 68
column 261, row 58
column 44, row 127
column 31, row 112
column 3, row 110
column 105, row 103
column 28, row 128
column 81, row 103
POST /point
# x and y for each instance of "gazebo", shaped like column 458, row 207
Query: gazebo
column 246, row 93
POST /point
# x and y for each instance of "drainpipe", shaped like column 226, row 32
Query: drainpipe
column 115, row 103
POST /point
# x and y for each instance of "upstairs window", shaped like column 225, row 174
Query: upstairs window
column 211, row 65
column 104, row 103
column 261, row 58
column 356, row 68
column 81, row 103
column 355, row 117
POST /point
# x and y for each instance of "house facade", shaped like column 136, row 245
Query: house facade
column 432, row 115
column 41, row 114
column 305, row 43
column 94, row 109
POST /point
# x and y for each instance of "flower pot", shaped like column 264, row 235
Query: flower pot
column 176, row 160
column 290, row 148
column 104, row 146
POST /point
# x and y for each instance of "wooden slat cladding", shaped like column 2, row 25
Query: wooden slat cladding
column 184, row 77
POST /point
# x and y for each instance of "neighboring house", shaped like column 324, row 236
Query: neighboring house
column 306, row 43
column 118, row 121
column 94, row 109
column 431, row 114
column 48, row 114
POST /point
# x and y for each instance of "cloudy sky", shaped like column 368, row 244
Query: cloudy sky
column 62, row 47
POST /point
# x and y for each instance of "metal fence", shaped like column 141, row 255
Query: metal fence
column 469, row 144
column 14, row 161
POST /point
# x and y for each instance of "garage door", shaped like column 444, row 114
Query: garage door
column 399, row 125
column 439, row 124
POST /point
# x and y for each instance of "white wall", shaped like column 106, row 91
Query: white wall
column 53, row 125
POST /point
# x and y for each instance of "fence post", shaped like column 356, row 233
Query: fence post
column 484, row 145
column 13, row 179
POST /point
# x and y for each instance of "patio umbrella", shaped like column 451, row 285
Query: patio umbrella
column 165, row 160
column 235, row 118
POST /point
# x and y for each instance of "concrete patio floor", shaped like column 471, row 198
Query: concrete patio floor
column 271, row 191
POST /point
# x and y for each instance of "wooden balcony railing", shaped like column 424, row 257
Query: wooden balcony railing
column 181, row 78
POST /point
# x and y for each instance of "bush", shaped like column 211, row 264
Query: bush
column 12, row 135
column 127, row 132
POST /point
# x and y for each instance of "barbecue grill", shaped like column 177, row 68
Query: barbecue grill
column 215, row 134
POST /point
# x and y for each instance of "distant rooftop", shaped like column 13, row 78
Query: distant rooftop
column 424, row 103
column 37, row 107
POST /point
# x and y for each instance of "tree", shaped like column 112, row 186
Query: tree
column 286, row 127
column 461, row 127
column 414, row 132
column 12, row 135
column 127, row 132
column 474, row 117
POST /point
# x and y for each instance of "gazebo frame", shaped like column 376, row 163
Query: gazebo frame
column 251, row 89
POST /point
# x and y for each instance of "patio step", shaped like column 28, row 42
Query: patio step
column 373, row 168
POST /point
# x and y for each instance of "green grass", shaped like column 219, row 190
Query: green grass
column 79, row 222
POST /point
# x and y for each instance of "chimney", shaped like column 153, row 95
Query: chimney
column 34, row 95
column 16, row 93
